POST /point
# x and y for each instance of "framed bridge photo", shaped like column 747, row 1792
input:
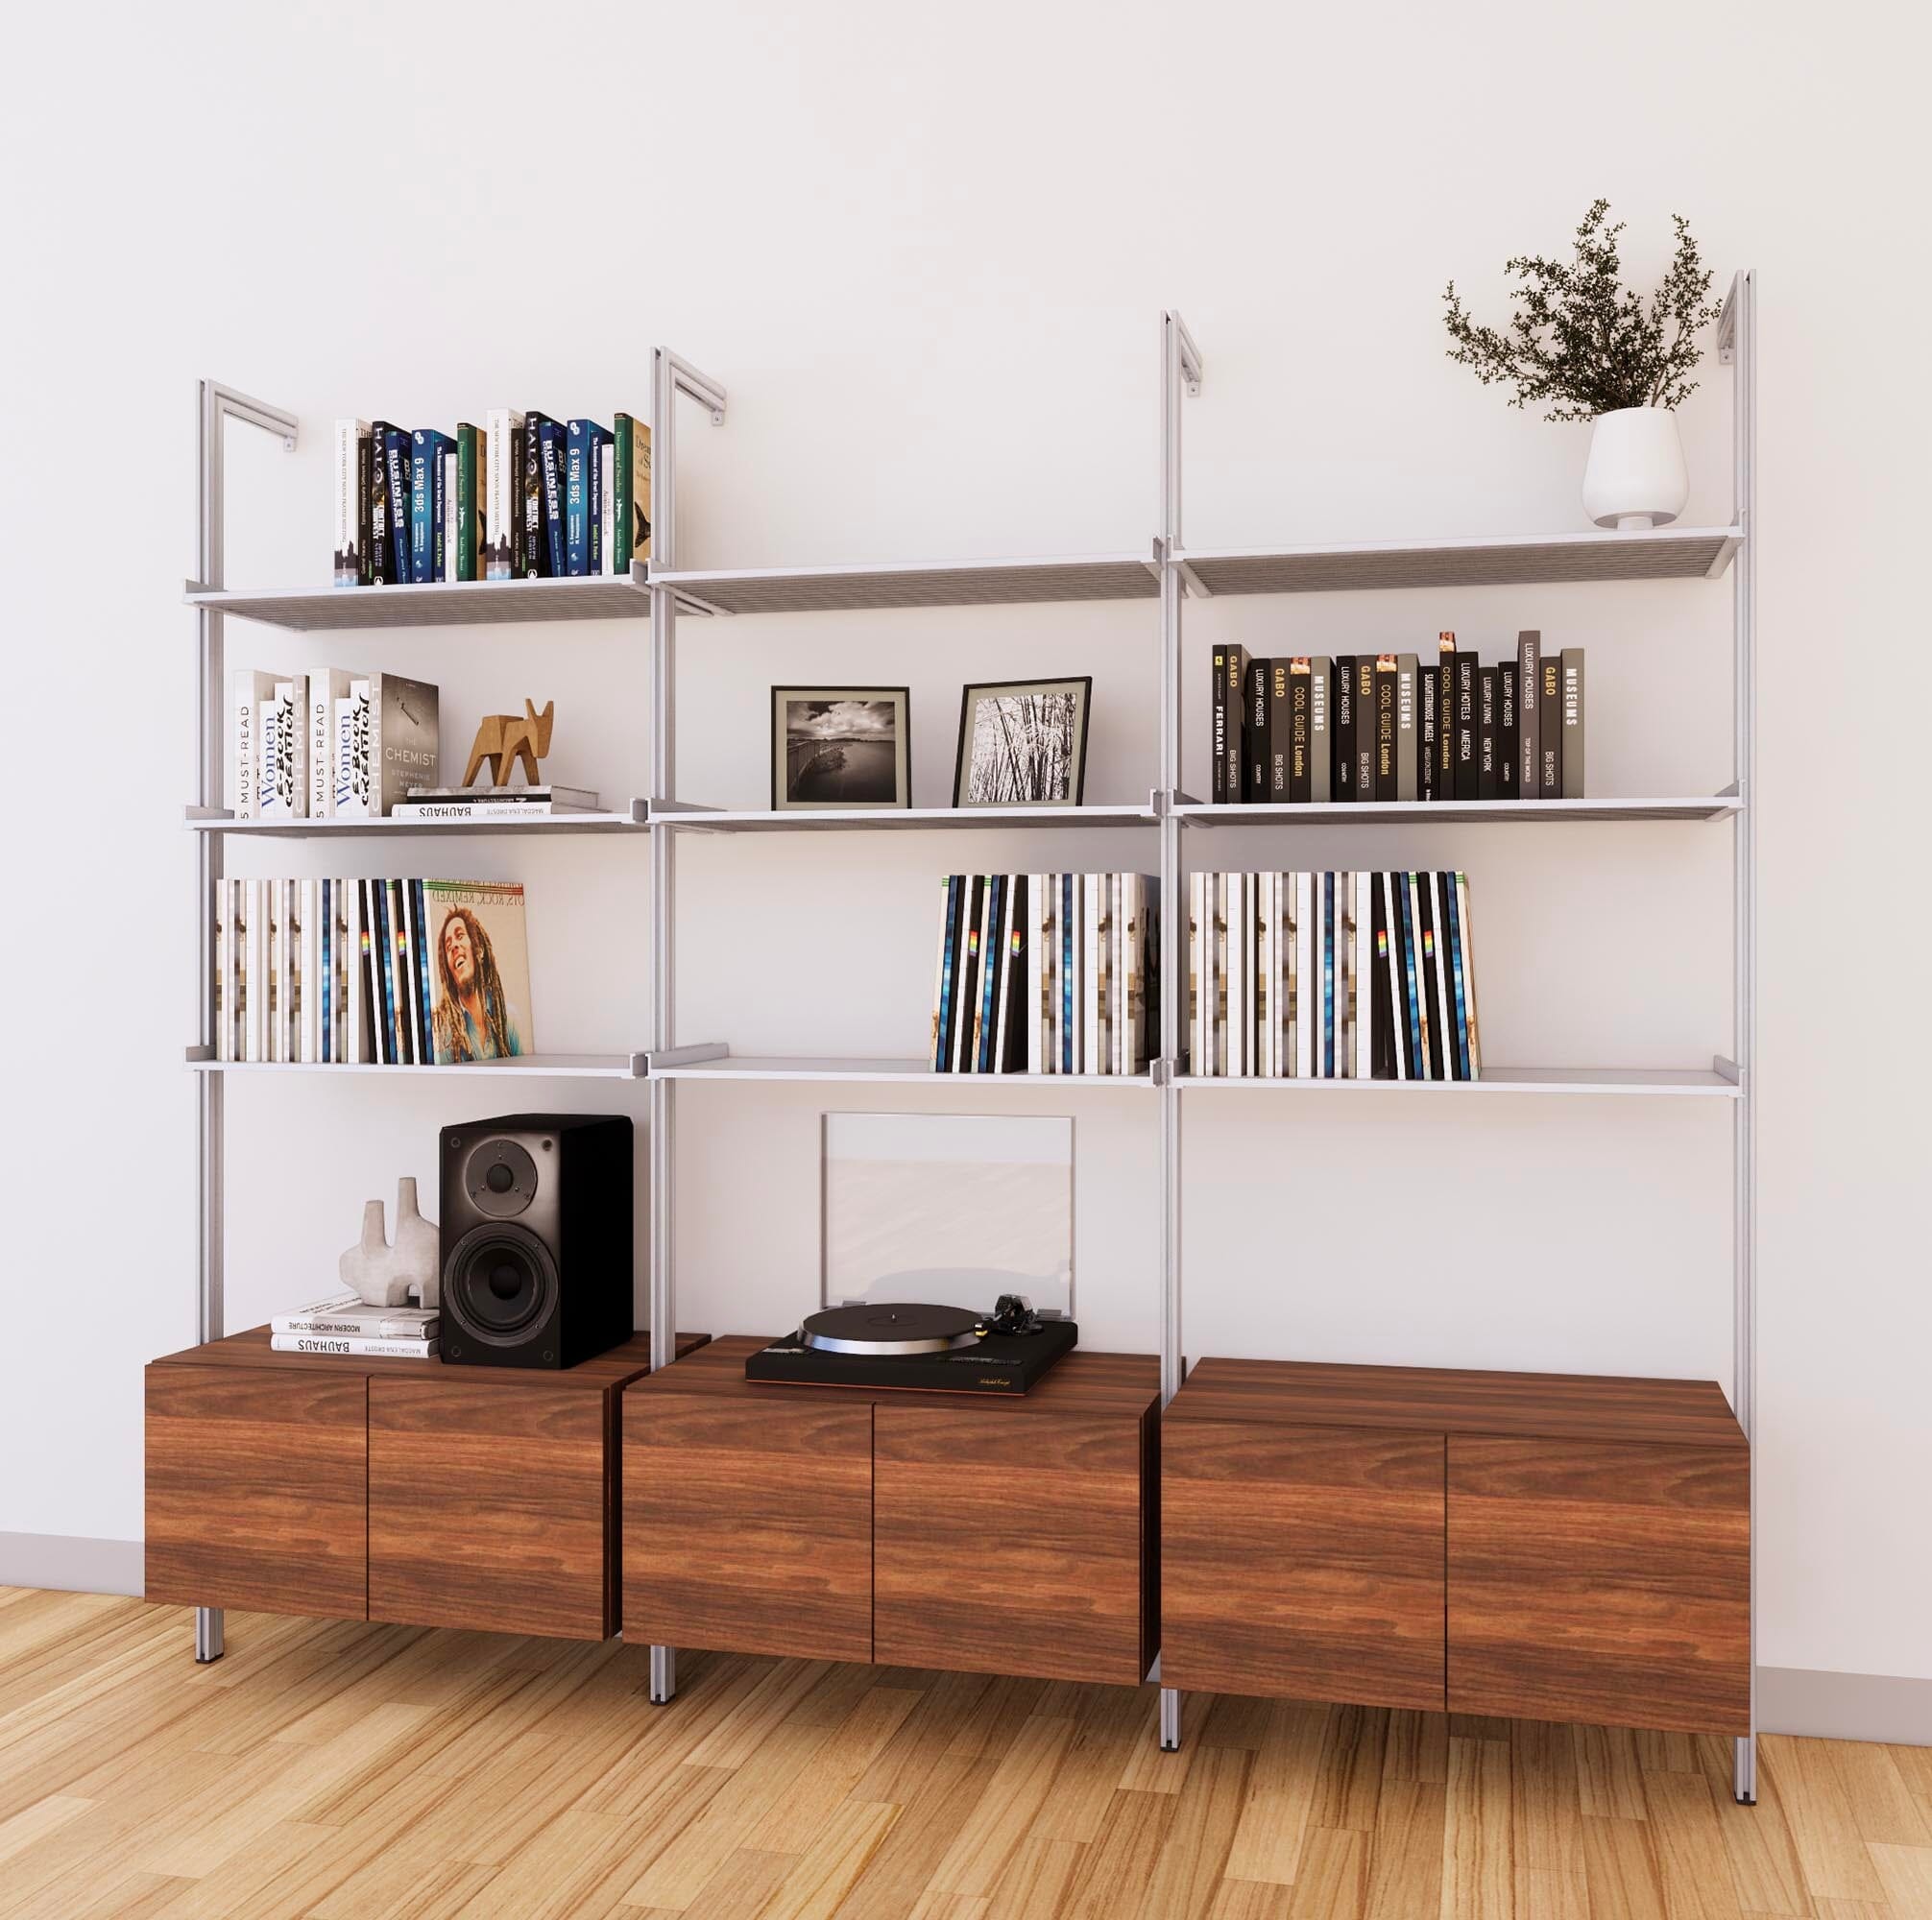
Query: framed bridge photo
column 840, row 747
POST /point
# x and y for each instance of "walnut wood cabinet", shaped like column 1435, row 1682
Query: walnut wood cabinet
column 399, row 1490
column 1553, row 1547
column 942, row 1530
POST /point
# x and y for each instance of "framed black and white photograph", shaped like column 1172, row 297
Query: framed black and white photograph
column 1023, row 743
column 840, row 746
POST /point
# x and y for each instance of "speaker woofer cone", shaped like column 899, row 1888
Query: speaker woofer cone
column 499, row 1283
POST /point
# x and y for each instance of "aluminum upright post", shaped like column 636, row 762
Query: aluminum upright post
column 1737, row 343
column 670, row 377
column 214, row 406
column 1180, row 374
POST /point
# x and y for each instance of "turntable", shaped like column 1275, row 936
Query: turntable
column 909, row 1347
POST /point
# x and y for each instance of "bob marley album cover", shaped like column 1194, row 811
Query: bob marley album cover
column 480, row 970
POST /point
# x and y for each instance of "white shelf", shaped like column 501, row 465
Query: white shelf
column 1667, row 553
column 528, row 1065
column 1435, row 813
column 905, row 819
column 796, row 1066
column 445, row 603
column 957, row 583
column 1502, row 1080
column 211, row 821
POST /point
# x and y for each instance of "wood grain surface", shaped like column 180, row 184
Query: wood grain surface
column 1302, row 1562
column 748, row 1527
column 251, row 1348
column 256, row 1489
column 490, row 1509
column 1010, row 1546
column 1590, row 1582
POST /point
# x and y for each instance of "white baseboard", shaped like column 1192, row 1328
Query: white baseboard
column 70, row 1564
column 1844, row 1706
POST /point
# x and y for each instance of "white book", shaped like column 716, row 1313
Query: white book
column 348, row 1315
column 1267, row 976
column 447, row 570
column 1287, row 926
column 1089, row 971
column 355, row 787
column 1365, row 977
column 354, row 1346
column 326, row 684
column 281, row 751
column 1240, row 976
column 1469, row 976
column 313, row 978
column 1134, row 896
column 502, row 491
column 246, row 690
column 350, row 434
column 1308, row 989
column 1331, row 979
column 1250, row 960
column 1217, row 972
column 1196, row 1056
column 255, row 969
column 1036, row 954
column 225, row 969
column 1074, row 999
column 607, row 508
column 281, row 928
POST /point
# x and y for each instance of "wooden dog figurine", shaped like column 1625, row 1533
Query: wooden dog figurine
column 504, row 739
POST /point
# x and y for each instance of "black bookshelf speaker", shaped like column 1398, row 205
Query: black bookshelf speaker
column 536, row 1238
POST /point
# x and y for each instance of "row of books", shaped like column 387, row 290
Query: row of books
column 397, row 972
column 523, row 496
column 327, row 744
column 1387, row 727
column 1047, row 973
column 1332, row 976
column 343, row 1324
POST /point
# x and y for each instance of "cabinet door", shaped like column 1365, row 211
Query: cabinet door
column 256, row 1489
column 1599, row 1581
column 1010, row 1542
column 748, row 1523
column 488, row 1505
column 1302, row 1562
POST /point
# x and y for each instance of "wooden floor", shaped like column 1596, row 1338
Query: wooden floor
column 373, row 1773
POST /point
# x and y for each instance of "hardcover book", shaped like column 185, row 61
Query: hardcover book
column 1427, row 730
column 1529, row 689
column 1408, row 729
column 428, row 446
column 1365, row 723
column 583, row 440
column 327, row 686
column 1320, row 734
column 1446, row 716
column 472, row 484
column 1387, row 685
column 1468, row 769
column 247, row 691
column 632, row 468
column 1257, row 757
column 1508, row 728
column 1550, row 729
column 1344, row 726
column 502, row 491
column 1486, row 733
column 1280, row 727
column 550, row 442
column 346, row 1314
column 1300, row 684
column 1572, row 662
column 351, row 502
column 390, row 452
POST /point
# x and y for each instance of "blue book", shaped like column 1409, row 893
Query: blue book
column 942, row 1025
column 428, row 448
column 395, row 461
column 551, row 441
column 582, row 489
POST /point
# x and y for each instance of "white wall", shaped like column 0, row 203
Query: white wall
column 925, row 250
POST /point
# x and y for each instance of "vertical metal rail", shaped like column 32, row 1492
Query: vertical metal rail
column 670, row 376
column 1737, row 343
column 1180, row 374
column 214, row 406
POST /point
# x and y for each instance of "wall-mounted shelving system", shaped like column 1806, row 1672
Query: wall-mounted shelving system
column 1169, row 573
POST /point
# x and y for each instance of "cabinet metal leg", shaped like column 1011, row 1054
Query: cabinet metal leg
column 209, row 1636
column 1744, row 1770
column 664, row 1674
column 1171, row 1720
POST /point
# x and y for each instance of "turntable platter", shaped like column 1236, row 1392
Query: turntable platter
column 890, row 1328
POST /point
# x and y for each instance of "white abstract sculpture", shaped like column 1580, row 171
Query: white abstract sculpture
column 385, row 1273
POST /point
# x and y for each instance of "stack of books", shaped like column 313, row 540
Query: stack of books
column 327, row 744
column 1047, row 973
column 1332, row 976
column 523, row 496
column 387, row 973
column 1387, row 727
column 432, row 804
column 344, row 1325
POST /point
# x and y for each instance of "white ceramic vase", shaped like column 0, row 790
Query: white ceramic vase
column 1636, row 478
column 386, row 1274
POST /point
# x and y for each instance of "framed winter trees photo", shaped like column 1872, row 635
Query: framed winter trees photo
column 1023, row 743
column 840, row 747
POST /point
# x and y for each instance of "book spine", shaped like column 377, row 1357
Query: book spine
column 352, row 436
column 412, row 1332
column 1445, row 717
column 225, row 969
column 551, row 454
column 1320, row 731
column 986, row 986
column 447, row 539
column 1550, row 728
column 1469, row 770
column 1070, row 1001
column 1422, row 886
column 1408, row 729
column 1528, row 686
column 471, row 469
column 1307, row 998
column 503, row 428
column 282, row 728
column 381, row 548
column 1039, row 977
column 1388, row 726
column 242, row 742
column 1217, row 708
column 425, row 972
column 577, row 446
column 532, row 565
column 1412, row 1005
column 1486, row 733
column 423, row 534
column 1344, row 727
column 1237, row 724
column 314, row 978
column 1266, row 976
column 1011, row 1057
column 353, row 1347
column 1287, row 940
column 1572, row 660
column 1198, row 1061
column 942, row 981
column 1364, row 725
column 1453, row 985
column 604, row 529
column 1428, row 726
column 1509, row 710
column 396, row 465
column 1256, row 756
column 966, row 984
column 1281, row 729
column 324, row 979
column 402, row 947
column 1092, row 923
column 324, row 686
column 1466, row 951
column 1364, row 975
column 1299, row 679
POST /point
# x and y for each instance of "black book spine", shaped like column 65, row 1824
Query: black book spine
column 1344, row 726
column 1386, row 776
column 1217, row 786
column 364, row 472
column 1468, row 775
column 1364, row 725
column 1486, row 733
column 1529, row 684
column 1507, row 708
column 1426, row 727
column 1301, row 679
column 1571, row 660
column 1254, row 710
column 1445, row 719
column 1382, row 1025
column 948, row 977
column 1550, row 729
column 1432, row 996
column 1281, row 729
column 1236, row 723
column 535, row 563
